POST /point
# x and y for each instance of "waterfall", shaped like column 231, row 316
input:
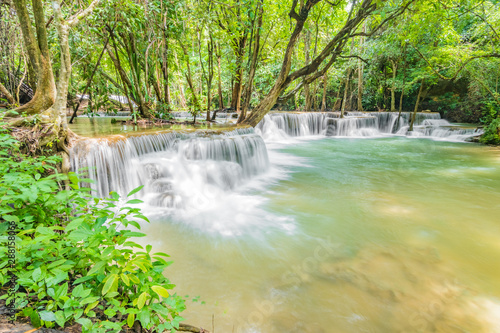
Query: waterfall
column 278, row 126
column 176, row 168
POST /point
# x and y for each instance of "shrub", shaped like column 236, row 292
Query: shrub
column 492, row 133
column 74, row 257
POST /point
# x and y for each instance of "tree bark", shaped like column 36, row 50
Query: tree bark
column 402, row 87
column 307, row 91
column 281, row 82
column 253, row 65
column 136, row 72
column 210, row 50
column 347, row 81
column 238, row 78
column 393, row 86
column 360, row 73
column 38, row 52
column 323, row 102
column 414, row 115
column 7, row 94
column 166, row 88
column 127, row 85
column 219, row 83
column 189, row 79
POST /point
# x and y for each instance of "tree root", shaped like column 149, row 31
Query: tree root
column 42, row 139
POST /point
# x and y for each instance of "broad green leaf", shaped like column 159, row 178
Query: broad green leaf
column 37, row 273
column 134, row 201
column 47, row 316
column 130, row 320
column 60, row 318
column 134, row 191
column 74, row 224
column 142, row 300
column 110, row 284
column 160, row 291
column 125, row 279
column 96, row 267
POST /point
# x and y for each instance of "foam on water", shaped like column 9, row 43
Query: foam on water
column 280, row 126
column 204, row 182
column 206, row 193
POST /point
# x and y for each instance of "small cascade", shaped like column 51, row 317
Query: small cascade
column 279, row 126
column 352, row 126
column 295, row 124
column 178, row 170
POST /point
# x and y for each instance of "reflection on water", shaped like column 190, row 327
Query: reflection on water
column 100, row 126
column 389, row 235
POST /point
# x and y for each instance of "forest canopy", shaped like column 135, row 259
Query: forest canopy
column 251, row 55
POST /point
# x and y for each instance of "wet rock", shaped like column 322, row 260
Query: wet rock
column 331, row 130
column 167, row 200
column 153, row 170
column 474, row 138
column 161, row 185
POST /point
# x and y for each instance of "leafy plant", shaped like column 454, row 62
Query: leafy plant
column 492, row 133
column 74, row 257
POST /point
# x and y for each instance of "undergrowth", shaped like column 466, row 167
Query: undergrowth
column 69, row 257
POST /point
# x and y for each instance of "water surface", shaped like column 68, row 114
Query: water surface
column 347, row 235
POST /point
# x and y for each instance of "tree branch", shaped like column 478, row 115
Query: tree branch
column 354, row 56
column 75, row 19
column 491, row 55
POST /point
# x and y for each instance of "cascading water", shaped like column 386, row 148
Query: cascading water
column 308, row 250
column 276, row 126
column 165, row 162
column 195, row 179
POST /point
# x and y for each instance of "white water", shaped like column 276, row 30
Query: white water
column 191, row 176
column 280, row 126
column 195, row 180
column 208, row 198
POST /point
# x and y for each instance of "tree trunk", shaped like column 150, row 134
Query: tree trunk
column 402, row 87
column 360, row 73
column 38, row 52
column 166, row 89
column 136, row 72
column 307, row 92
column 7, row 94
column 414, row 115
column 127, row 85
column 63, row 27
column 332, row 49
column 219, row 83
column 267, row 103
column 360, row 86
column 190, row 80
column 253, row 65
column 347, row 81
column 90, row 79
column 238, row 78
column 208, row 76
column 393, row 86
column 323, row 102
column 210, row 50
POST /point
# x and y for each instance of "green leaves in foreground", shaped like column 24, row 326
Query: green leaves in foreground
column 76, row 260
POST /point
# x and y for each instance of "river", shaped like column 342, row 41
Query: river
column 333, row 226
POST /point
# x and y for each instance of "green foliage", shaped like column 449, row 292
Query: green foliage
column 491, row 120
column 162, row 111
column 492, row 133
column 74, row 257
